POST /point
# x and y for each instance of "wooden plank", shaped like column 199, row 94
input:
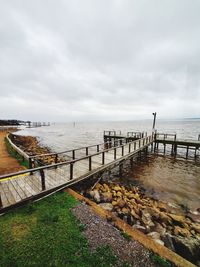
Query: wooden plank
column 8, row 193
column 4, row 198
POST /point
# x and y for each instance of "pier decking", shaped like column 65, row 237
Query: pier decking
column 19, row 188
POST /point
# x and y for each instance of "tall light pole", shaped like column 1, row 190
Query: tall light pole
column 154, row 120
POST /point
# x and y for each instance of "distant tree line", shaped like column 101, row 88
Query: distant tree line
column 10, row 122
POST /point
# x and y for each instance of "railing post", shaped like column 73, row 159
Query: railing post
column 71, row 171
column 103, row 158
column 73, row 154
column 97, row 148
column 129, row 148
column 30, row 164
column 42, row 179
column 134, row 145
column 90, row 163
column 86, row 151
column 115, row 153
column 122, row 150
column 139, row 143
column 143, row 141
column 56, row 160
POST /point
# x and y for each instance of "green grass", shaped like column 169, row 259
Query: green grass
column 16, row 155
column 162, row 262
column 126, row 236
column 47, row 234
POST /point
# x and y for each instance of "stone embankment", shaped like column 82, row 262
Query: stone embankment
column 168, row 225
column 32, row 147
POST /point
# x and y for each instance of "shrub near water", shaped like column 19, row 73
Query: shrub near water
column 47, row 234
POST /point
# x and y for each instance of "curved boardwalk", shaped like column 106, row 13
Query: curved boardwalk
column 8, row 164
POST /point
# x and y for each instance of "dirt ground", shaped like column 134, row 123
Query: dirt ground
column 8, row 164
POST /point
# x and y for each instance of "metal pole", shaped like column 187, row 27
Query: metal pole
column 154, row 120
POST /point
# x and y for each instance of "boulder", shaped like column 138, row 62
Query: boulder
column 177, row 219
column 119, row 194
column 121, row 203
column 106, row 206
column 154, row 235
column 117, row 188
column 181, row 231
column 106, row 187
column 160, row 229
column 96, row 196
column 165, row 218
column 189, row 247
column 107, row 196
column 140, row 228
column 159, row 242
column 196, row 227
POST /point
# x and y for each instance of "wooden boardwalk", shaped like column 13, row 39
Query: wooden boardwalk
column 24, row 186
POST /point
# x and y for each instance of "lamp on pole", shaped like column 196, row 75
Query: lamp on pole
column 154, row 120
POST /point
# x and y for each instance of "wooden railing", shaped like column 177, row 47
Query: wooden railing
column 73, row 153
column 136, row 134
column 165, row 136
column 133, row 146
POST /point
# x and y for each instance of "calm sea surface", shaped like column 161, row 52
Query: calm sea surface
column 176, row 181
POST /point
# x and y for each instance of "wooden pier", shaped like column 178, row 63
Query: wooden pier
column 19, row 188
column 165, row 139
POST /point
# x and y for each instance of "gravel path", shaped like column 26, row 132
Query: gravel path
column 100, row 232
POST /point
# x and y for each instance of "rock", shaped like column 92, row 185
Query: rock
column 117, row 188
column 106, row 187
column 160, row 229
column 140, row 228
column 194, row 217
column 146, row 219
column 167, row 239
column 154, row 235
column 114, row 203
column 165, row 218
column 189, row 247
column 181, row 231
column 196, row 227
column 154, row 212
column 130, row 195
column 134, row 214
column 121, row 203
column 177, row 219
column 96, row 196
column 98, row 186
column 107, row 196
column 159, row 242
column 162, row 206
column 119, row 194
column 106, row 206
column 125, row 210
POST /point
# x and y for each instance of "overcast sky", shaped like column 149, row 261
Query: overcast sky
column 99, row 59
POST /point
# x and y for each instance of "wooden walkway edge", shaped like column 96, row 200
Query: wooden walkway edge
column 18, row 188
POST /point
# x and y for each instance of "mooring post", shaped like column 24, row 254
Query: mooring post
column 42, row 179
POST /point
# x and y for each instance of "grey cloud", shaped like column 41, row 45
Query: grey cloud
column 76, row 60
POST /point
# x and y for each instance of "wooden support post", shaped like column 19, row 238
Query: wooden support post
column 164, row 148
column 56, row 160
column 71, row 171
column 129, row 148
column 187, row 152
column 115, row 154
column 195, row 153
column 120, row 169
column 86, row 151
column 139, row 143
column 103, row 158
column 73, row 154
column 143, row 141
column 90, row 163
column 134, row 145
column 97, row 148
column 42, row 179
column 122, row 151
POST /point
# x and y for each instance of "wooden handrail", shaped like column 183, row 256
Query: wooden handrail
column 72, row 162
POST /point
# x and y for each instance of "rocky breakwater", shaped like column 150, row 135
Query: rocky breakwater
column 167, row 224
column 31, row 146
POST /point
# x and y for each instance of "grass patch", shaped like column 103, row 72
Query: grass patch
column 13, row 153
column 46, row 234
column 126, row 236
column 162, row 262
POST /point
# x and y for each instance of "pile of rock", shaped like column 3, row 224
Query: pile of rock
column 166, row 224
column 31, row 146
